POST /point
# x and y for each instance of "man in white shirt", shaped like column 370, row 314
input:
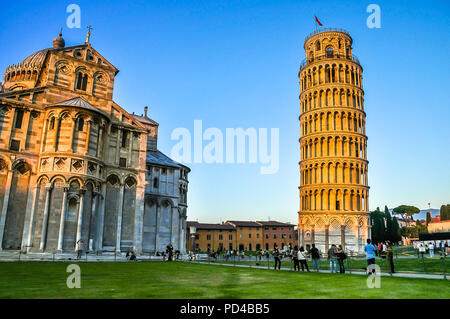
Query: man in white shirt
column 421, row 249
column 431, row 249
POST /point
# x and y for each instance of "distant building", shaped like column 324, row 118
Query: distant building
column 240, row 235
column 279, row 234
column 438, row 226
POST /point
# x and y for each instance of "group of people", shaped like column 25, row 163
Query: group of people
column 371, row 253
column 443, row 246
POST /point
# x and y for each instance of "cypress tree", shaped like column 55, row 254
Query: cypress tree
column 389, row 233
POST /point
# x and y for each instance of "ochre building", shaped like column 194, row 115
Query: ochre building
column 333, row 188
column 76, row 165
column 240, row 235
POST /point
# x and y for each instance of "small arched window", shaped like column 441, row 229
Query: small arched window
column 329, row 52
column 80, row 124
column 318, row 45
column 52, row 123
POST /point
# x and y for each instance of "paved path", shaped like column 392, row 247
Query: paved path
column 353, row 272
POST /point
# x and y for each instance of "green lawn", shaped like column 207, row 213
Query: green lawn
column 184, row 280
column 432, row 265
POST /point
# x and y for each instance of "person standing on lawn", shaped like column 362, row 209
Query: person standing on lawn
column 315, row 255
column 277, row 258
column 431, row 249
column 302, row 258
column 421, row 250
column 340, row 257
column 79, row 248
column 370, row 254
column 332, row 258
column 295, row 259
column 390, row 257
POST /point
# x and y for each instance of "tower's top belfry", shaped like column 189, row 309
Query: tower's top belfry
column 329, row 43
column 333, row 163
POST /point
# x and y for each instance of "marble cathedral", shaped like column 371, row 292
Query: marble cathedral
column 76, row 165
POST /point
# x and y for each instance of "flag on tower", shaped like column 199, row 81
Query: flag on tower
column 317, row 20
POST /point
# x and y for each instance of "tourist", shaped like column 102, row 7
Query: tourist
column 384, row 250
column 295, row 259
column 332, row 258
column 390, row 257
column 315, row 255
column 302, row 258
column 79, row 248
column 370, row 255
column 431, row 249
column 277, row 258
column 340, row 257
column 421, row 250
column 442, row 246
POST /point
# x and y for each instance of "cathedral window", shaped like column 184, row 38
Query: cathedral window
column 124, row 138
column 52, row 123
column 80, row 124
column 155, row 182
column 123, row 162
column 19, row 118
column 81, row 81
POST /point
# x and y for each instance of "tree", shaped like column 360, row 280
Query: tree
column 378, row 227
column 389, row 235
column 445, row 212
column 428, row 217
column 405, row 211
column 396, row 231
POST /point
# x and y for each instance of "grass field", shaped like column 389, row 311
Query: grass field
column 185, row 280
column 432, row 265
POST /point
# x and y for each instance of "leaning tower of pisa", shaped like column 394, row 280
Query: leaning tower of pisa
column 333, row 164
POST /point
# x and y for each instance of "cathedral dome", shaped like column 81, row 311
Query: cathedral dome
column 37, row 58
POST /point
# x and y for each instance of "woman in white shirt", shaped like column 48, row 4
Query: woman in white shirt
column 302, row 258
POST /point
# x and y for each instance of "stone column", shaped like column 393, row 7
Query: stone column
column 44, row 135
column 139, row 219
column 9, row 134
column 130, row 150
column 156, row 227
column 29, row 216
column 100, row 219
column 119, row 218
column 327, row 239
column 88, row 134
column 171, row 226
column 117, row 147
column 80, row 216
column 313, row 233
column 62, row 221
column 343, row 236
column 58, row 125
column 74, row 123
column 26, row 123
column 94, row 219
column 99, row 139
column 45, row 220
column 5, row 206
column 179, row 233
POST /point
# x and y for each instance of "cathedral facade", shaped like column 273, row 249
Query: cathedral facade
column 334, row 189
column 76, row 165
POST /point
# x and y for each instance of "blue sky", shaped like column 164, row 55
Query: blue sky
column 234, row 64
